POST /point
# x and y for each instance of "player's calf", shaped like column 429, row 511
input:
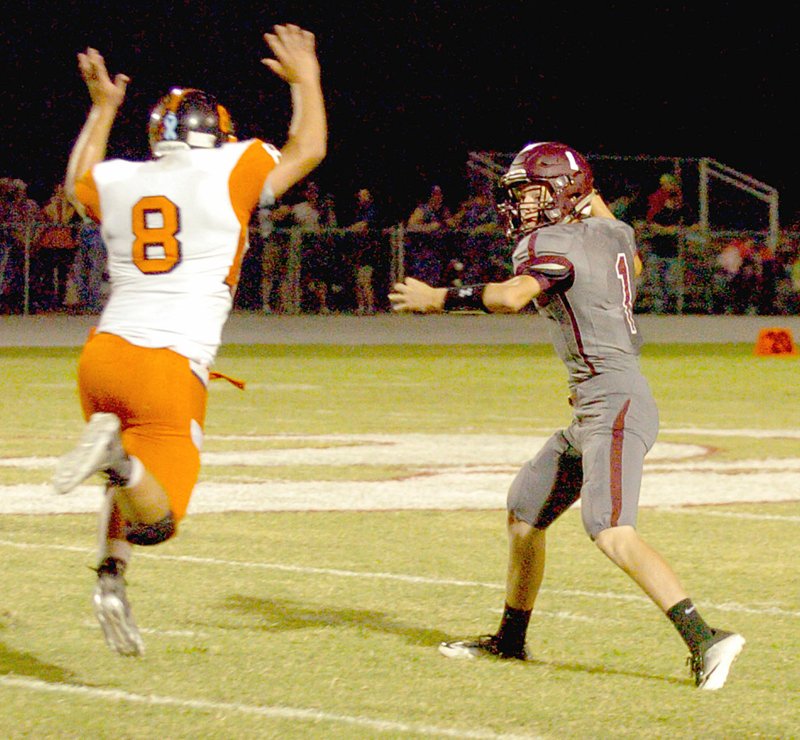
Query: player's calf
column 151, row 534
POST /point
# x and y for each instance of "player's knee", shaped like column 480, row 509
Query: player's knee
column 517, row 526
column 596, row 522
column 616, row 542
column 593, row 530
column 152, row 534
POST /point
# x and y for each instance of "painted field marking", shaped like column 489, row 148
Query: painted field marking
column 769, row 609
column 444, row 472
column 271, row 712
column 705, row 511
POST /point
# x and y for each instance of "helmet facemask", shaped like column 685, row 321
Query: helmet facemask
column 525, row 207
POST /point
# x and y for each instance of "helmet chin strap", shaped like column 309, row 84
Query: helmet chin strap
column 582, row 208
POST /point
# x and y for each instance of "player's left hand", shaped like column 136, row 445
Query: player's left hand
column 295, row 54
column 415, row 295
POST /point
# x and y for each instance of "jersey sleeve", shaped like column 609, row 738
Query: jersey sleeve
column 543, row 259
column 86, row 192
column 554, row 273
column 249, row 175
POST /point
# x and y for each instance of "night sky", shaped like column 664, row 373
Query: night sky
column 412, row 88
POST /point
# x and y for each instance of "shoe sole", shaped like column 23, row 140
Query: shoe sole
column 459, row 652
column 83, row 460
column 728, row 650
column 120, row 633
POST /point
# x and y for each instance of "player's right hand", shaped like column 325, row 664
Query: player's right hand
column 102, row 89
column 415, row 295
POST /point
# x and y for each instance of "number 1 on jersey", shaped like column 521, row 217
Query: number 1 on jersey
column 624, row 276
column 156, row 223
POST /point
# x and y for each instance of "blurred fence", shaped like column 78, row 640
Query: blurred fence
column 716, row 196
column 293, row 271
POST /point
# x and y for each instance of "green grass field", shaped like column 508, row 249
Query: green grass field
column 324, row 624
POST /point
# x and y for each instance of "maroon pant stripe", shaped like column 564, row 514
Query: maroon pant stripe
column 617, row 439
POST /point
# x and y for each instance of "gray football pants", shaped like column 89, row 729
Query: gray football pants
column 599, row 458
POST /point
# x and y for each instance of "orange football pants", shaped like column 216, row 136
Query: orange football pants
column 160, row 402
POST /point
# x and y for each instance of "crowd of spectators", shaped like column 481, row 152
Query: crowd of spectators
column 50, row 259
column 690, row 269
column 309, row 255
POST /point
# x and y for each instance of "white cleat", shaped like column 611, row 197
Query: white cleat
column 482, row 646
column 114, row 614
column 99, row 448
column 713, row 660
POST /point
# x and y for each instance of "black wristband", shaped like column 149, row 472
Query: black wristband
column 465, row 298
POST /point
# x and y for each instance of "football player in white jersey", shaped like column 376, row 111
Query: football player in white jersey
column 175, row 228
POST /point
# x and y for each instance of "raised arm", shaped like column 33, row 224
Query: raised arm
column 106, row 96
column 296, row 63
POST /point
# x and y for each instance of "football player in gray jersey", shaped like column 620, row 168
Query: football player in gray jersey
column 578, row 264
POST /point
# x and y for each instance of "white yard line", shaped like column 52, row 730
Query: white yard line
column 762, row 608
column 296, row 714
column 752, row 433
column 692, row 511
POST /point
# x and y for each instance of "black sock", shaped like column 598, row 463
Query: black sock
column 691, row 626
column 513, row 628
column 120, row 473
column 112, row 566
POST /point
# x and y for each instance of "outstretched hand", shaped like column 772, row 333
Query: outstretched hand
column 415, row 295
column 295, row 54
column 102, row 89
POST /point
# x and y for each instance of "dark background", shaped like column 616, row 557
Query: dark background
column 411, row 88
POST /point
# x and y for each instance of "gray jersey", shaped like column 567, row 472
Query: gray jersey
column 586, row 271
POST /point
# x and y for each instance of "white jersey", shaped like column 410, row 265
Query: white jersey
column 176, row 229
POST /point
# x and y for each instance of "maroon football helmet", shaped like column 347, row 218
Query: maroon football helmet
column 547, row 183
